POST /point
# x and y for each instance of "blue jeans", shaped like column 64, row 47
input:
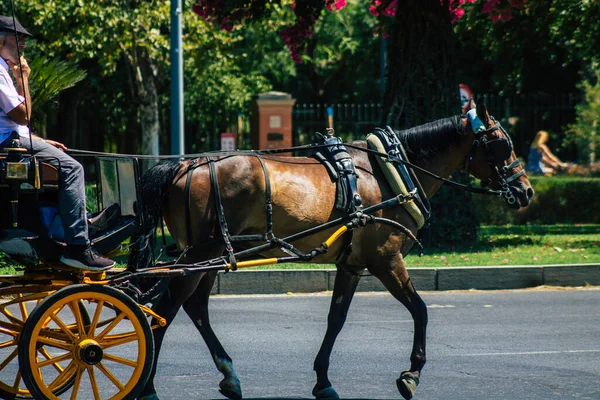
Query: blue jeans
column 71, row 194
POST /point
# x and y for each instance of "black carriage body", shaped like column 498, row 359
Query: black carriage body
column 24, row 232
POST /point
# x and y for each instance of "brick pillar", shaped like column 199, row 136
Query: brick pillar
column 272, row 121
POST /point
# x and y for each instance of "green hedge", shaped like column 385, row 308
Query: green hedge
column 557, row 200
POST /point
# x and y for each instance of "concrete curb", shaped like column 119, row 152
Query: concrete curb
column 443, row 278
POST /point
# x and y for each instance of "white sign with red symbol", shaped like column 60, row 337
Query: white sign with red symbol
column 227, row 141
column 466, row 94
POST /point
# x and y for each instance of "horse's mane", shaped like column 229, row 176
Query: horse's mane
column 426, row 140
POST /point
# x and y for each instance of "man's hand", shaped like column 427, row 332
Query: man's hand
column 56, row 144
column 16, row 70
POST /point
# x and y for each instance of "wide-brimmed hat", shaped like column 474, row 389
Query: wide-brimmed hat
column 7, row 24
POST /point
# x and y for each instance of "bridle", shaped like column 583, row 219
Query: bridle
column 497, row 152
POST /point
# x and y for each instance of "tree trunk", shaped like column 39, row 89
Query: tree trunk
column 143, row 73
column 149, row 121
column 68, row 119
column 423, row 87
column 422, row 83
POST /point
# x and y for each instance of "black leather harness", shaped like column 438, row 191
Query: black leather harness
column 394, row 149
column 221, row 221
column 341, row 170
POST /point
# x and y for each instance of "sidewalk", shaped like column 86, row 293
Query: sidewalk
column 443, row 278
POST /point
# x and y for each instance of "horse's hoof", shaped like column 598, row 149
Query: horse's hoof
column 407, row 384
column 328, row 393
column 231, row 388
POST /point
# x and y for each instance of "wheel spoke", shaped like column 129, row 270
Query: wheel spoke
column 77, row 383
column 53, row 361
column 63, row 376
column 17, row 382
column 120, row 360
column 74, row 305
column 8, row 331
column 119, row 339
column 54, row 343
column 8, row 344
column 9, row 358
column 96, row 318
column 49, row 319
column 63, row 326
column 92, row 374
column 110, row 376
column 9, row 315
column 110, row 326
column 23, row 308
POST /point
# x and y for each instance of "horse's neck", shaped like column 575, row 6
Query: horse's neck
column 443, row 165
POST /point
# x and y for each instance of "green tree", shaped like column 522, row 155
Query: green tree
column 585, row 132
column 49, row 77
column 124, row 48
column 111, row 34
column 221, row 78
column 549, row 39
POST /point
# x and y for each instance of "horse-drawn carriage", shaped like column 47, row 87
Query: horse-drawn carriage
column 67, row 333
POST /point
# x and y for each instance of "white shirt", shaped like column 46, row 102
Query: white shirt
column 9, row 99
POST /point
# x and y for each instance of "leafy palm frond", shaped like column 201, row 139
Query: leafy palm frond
column 51, row 76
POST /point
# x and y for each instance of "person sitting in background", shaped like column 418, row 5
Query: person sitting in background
column 541, row 160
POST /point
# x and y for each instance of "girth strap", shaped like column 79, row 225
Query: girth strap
column 268, row 235
column 188, row 217
column 220, row 212
column 268, row 200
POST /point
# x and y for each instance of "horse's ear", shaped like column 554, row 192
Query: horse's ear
column 482, row 111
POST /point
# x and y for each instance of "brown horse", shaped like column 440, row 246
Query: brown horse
column 303, row 197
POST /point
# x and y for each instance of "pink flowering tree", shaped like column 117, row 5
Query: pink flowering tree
column 421, row 82
column 229, row 13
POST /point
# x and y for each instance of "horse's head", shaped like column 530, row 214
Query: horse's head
column 492, row 158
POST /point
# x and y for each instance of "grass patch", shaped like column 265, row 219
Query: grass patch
column 497, row 245
column 507, row 245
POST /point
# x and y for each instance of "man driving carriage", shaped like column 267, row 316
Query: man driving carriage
column 15, row 112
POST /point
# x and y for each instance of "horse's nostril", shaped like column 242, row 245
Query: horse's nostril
column 530, row 193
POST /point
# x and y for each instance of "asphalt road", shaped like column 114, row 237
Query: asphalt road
column 526, row 344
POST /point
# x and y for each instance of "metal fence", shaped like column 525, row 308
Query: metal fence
column 522, row 115
column 350, row 121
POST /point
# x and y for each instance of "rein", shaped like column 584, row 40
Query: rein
column 217, row 153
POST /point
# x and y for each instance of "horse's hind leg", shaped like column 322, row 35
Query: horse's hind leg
column 397, row 282
column 343, row 292
column 196, row 307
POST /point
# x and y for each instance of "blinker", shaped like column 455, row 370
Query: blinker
column 500, row 149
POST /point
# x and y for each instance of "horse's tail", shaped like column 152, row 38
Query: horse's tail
column 154, row 189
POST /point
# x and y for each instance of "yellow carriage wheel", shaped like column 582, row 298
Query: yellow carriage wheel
column 16, row 303
column 110, row 358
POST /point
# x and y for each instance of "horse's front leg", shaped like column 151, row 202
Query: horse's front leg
column 397, row 282
column 167, row 307
column 343, row 291
column 196, row 308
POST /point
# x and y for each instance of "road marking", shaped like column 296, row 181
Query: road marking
column 526, row 353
